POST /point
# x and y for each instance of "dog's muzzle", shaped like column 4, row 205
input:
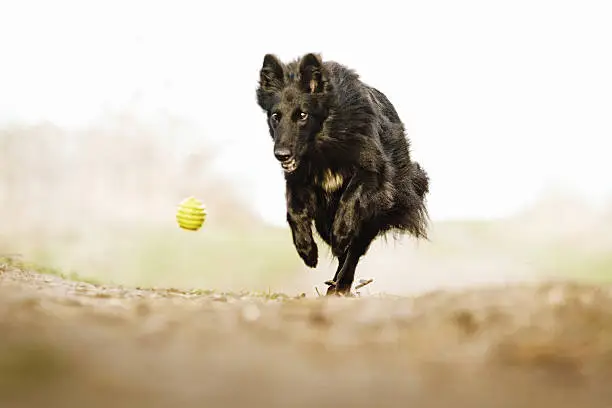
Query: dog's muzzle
column 289, row 165
column 284, row 156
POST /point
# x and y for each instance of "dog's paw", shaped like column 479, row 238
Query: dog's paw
column 309, row 254
column 335, row 290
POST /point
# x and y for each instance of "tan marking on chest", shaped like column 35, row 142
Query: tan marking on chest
column 331, row 181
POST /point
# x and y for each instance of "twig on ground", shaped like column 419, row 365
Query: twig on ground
column 363, row 282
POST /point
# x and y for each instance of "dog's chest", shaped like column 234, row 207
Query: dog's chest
column 329, row 181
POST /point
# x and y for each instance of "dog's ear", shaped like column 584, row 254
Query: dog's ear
column 272, row 73
column 312, row 73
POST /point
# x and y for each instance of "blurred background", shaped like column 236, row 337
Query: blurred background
column 112, row 112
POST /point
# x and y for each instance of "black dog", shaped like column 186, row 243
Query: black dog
column 346, row 160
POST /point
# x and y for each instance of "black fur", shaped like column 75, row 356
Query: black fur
column 346, row 159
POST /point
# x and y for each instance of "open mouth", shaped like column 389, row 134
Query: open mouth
column 289, row 166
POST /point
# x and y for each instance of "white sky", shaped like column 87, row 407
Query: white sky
column 482, row 86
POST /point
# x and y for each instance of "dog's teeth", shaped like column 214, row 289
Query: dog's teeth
column 289, row 165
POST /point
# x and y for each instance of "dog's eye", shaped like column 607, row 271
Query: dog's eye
column 303, row 116
column 275, row 117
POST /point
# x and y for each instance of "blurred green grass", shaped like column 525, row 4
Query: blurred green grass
column 571, row 263
column 167, row 256
column 261, row 257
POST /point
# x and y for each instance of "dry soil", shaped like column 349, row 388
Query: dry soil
column 71, row 344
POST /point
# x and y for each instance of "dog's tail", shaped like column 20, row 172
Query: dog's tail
column 420, row 180
column 416, row 219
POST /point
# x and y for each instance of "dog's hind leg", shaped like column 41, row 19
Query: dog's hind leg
column 364, row 198
column 341, row 260
column 345, row 275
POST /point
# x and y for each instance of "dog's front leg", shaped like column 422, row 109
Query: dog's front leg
column 299, row 216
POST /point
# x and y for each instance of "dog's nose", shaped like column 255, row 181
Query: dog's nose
column 282, row 154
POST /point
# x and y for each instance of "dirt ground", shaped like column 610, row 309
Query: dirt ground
column 71, row 344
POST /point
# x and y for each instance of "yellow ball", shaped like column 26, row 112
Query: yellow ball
column 191, row 214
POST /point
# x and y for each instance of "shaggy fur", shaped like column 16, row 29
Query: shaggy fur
column 346, row 159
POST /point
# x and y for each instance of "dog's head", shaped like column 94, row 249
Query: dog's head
column 296, row 98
